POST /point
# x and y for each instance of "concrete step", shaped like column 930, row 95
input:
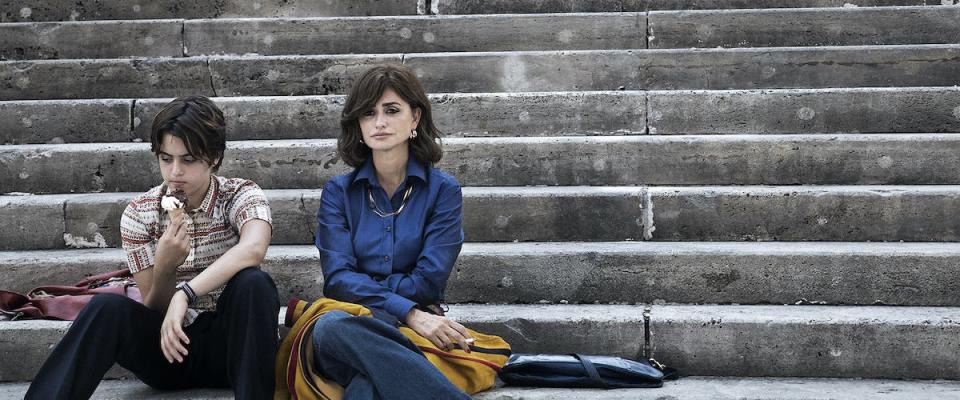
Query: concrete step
column 566, row 6
column 273, row 36
column 803, row 27
column 47, row 10
column 845, row 110
column 756, row 68
column 857, row 159
column 845, row 273
column 784, row 111
column 313, row 117
column 780, row 341
column 425, row 34
column 558, row 214
column 687, row 388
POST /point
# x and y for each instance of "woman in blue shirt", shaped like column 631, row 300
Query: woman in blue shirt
column 388, row 233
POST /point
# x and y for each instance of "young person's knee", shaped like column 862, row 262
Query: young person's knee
column 110, row 303
column 253, row 280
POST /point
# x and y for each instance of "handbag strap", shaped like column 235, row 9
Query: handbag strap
column 591, row 371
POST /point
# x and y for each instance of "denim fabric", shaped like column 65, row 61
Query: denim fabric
column 391, row 262
column 373, row 360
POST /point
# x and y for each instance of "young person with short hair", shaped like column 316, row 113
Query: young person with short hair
column 209, row 314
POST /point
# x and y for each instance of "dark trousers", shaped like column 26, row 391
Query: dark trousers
column 234, row 346
column 373, row 360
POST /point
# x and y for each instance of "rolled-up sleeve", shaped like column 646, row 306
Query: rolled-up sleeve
column 443, row 239
column 342, row 279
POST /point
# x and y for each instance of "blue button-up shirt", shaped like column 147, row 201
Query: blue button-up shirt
column 392, row 262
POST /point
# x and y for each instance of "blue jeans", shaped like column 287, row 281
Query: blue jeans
column 373, row 360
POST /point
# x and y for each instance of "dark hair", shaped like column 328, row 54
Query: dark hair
column 364, row 96
column 196, row 121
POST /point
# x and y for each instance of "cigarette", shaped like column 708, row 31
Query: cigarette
column 470, row 340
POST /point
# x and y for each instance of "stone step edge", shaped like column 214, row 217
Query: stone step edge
column 687, row 388
column 403, row 57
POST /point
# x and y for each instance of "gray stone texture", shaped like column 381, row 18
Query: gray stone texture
column 852, row 213
column 291, row 75
column 93, row 220
column 64, row 121
column 688, row 388
column 847, row 66
column 29, row 343
column 61, row 10
column 913, row 274
column 563, row 161
column 307, row 117
column 804, row 341
column 415, row 34
column 918, row 274
column 806, row 27
column 881, row 110
column 114, row 39
column 33, row 220
column 111, row 78
column 568, row 6
column 483, row 114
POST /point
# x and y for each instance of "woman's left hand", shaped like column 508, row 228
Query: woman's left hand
column 172, row 337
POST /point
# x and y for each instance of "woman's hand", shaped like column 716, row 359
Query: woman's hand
column 172, row 337
column 173, row 246
column 441, row 331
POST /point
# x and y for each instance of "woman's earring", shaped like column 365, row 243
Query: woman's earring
column 413, row 134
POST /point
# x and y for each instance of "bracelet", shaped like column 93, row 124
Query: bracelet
column 191, row 295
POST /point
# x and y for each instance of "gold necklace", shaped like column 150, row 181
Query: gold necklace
column 376, row 209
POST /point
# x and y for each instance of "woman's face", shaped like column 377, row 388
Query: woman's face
column 387, row 126
column 180, row 170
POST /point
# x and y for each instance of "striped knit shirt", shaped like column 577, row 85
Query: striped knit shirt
column 214, row 228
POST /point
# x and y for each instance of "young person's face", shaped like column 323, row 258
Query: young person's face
column 180, row 170
column 387, row 126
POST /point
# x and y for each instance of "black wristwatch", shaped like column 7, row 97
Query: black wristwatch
column 191, row 295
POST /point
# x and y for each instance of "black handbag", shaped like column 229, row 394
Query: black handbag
column 580, row 371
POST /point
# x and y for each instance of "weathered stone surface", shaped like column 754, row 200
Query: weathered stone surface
column 715, row 272
column 91, row 79
column 59, row 40
column 552, row 214
column 562, row 161
column 59, row 121
column 415, row 34
column 851, row 213
column 805, row 27
column 69, row 168
column 25, row 270
column 787, row 111
column 915, row 274
column 804, row 341
column 567, row 6
column 26, row 344
column 93, row 220
column 36, row 220
column 847, row 66
column 530, row 71
column 291, row 75
column 688, row 388
column 540, row 113
column 57, row 10
column 306, row 117
column 456, row 114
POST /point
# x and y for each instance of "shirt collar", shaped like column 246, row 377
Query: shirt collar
column 367, row 172
column 210, row 199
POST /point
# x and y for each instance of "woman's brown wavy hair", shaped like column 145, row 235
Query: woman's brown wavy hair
column 364, row 96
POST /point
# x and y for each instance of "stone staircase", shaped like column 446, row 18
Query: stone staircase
column 775, row 187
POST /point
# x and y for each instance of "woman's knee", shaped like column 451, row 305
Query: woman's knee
column 110, row 303
column 330, row 328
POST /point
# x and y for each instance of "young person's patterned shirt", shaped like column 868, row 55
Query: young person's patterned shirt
column 214, row 227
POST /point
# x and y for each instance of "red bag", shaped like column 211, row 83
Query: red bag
column 65, row 302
